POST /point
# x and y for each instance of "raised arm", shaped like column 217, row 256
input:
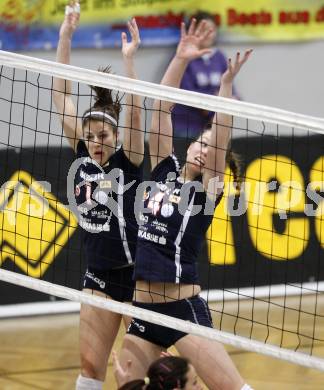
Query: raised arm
column 161, row 133
column 62, row 88
column 221, row 130
column 133, row 134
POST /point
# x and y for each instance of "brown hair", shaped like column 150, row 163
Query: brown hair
column 234, row 162
column 166, row 373
column 105, row 102
column 203, row 15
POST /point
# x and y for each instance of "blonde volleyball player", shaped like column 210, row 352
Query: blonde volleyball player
column 109, row 238
column 170, row 239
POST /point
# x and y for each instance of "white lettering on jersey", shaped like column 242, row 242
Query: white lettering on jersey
column 152, row 237
column 95, row 227
column 215, row 78
column 85, row 176
column 202, row 79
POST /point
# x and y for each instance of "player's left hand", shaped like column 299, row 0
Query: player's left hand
column 233, row 69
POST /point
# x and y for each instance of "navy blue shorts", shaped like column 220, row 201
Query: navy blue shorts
column 117, row 282
column 194, row 309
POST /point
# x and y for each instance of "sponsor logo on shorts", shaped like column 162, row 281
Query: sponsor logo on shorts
column 90, row 275
column 141, row 328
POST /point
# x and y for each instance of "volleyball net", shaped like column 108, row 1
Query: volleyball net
column 260, row 267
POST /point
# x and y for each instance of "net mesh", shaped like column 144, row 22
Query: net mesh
column 260, row 266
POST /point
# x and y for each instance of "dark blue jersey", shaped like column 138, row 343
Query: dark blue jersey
column 105, row 202
column 175, row 224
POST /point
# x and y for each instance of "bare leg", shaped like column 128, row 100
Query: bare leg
column 211, row 361
column 98, row 331
column 141, row 352
column 127, row 319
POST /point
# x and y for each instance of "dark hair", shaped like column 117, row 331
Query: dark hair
column 137, row 384
column 202, row 15
column 165, row 373
column 234, row 162
column 105, row 101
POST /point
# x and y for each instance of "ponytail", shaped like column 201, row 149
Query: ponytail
column 166, row 373
column 233, row 161
column 105, row 102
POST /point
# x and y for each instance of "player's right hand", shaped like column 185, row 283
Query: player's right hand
column 71, row 19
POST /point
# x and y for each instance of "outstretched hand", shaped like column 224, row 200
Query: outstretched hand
column 130, row 48
column 71, row 19
column 122, row 376
column 189, row 46
column 233, row 69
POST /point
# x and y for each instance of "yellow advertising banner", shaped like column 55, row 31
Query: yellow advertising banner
column 35, row 226
column 32, row 23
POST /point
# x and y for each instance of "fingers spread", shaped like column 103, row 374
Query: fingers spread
column 201, row 28
column 133, row 30
column 134, row 24
column 192, row 26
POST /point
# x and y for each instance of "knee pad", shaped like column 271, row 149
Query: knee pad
column 246, row 387
column 84, row 383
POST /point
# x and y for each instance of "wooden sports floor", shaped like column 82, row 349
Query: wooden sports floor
column 41, row 353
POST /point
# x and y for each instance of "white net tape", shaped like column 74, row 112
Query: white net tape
column 161, row 319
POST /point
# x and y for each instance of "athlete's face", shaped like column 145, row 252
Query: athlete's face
column 211, row 39
column 192, row 380
column 197, row 154
column 100, row 139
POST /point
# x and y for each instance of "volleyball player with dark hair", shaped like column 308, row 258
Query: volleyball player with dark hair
column 167, row 373
column 109, row 237
column 170, row 239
